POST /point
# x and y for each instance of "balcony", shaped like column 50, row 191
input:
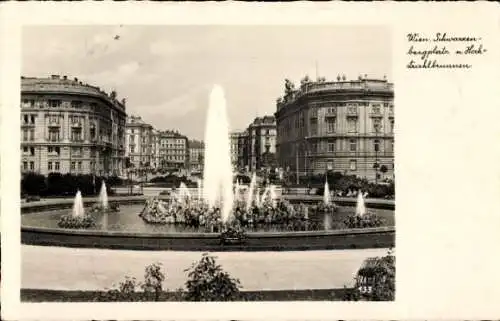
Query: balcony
column 54, row 123
column 76, row 124
column 376, row 114
column 352, row 112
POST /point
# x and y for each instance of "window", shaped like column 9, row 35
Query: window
column 392, row 125
column 376, row 145
column 56, row 165
column 32, row 151
column 32, row 119
column 25, row 118
column 76, row 134
column 79, row 166
column 352, row 125
column 32, row 166
column 330, row 125
column 25, row 150
column 25, row 134
column 49, row 166
column 352, row 145
column 314, row 126
column 392, row 145
column 377, row 125
column 53, row 135
column 92, row 133
column 376, row 109
column 352, row 165
column 54, row 103
column 73, row 165
column 76, row 104
column 25, row 166
column 331, row 146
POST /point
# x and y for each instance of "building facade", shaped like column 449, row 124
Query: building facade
column 71, row 127
column 343, row 126
column 196, row 155
column 236, row 151
column 139, row 142
column 261, row 143
column 173, row 150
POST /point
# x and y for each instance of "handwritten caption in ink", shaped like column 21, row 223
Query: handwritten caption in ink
column 443, row 51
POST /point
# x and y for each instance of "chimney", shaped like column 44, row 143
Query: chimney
column 76, row 79
column 54, row 76
column 65, row 77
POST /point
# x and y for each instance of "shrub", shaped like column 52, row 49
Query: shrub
column 232, row 235
column 208, row 282
column 129, row 289
column 33, row 184
column 375, row 280
column 76, row 222
column 363, row 221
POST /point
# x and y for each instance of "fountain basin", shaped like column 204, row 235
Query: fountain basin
column 33, row 233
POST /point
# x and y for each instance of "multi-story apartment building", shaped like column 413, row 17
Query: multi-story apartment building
column 235, row 148
column 139, row 142
column 71, row 127
column 173, row 151
column 260, row 143
column 196, row 155
column 343, row 126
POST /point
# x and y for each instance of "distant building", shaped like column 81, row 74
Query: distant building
column 341, row 126
column 196, row 155
column 237, row 145
column 139, row 143
column 261, row 140
column 71, row 127
column 173, row 150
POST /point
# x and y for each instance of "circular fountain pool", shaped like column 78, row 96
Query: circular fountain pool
column 126, row 230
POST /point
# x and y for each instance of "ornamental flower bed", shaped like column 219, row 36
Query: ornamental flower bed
column 363, row 221
column 76, row 222
column 233, row 235
column 325, row 208
column 113, row 208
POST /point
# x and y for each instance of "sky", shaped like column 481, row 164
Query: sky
column 166, row 72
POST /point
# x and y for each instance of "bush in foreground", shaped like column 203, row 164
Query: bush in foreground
column 208, row 282
column 375, row 280
column 363, row 221
column 76, row 222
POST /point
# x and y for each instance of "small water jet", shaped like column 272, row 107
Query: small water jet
column 360, row 205
column 251, row 189
column 78, row 209
column 77, row 219
column 103, row 197
column 326, row 193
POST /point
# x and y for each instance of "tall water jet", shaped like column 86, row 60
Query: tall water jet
column 184, row 192
column 326, row 193
column 78, row 210
column 250, row 196
column 272, row 194
column 217, row 173
column 199, row 190
column 103, row 197
column 237, row 190
column 360, row 205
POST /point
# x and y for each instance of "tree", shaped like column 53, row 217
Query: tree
column 153, row 279
column 208, row 282
column 383, row 169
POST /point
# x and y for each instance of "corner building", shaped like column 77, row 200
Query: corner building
column 71, row 127
column 343, row 126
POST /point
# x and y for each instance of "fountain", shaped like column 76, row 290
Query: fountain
column 77, row 219
column 326, row 193
column 217, row 173
column 360, row 205
column 103, row 197
column 183, row 193
column 78, row 210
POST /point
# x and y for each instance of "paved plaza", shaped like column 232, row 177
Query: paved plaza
column 59, row 268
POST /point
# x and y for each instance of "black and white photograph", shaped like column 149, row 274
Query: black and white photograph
column 207, row 163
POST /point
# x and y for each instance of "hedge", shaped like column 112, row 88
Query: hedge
column 57, row 184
